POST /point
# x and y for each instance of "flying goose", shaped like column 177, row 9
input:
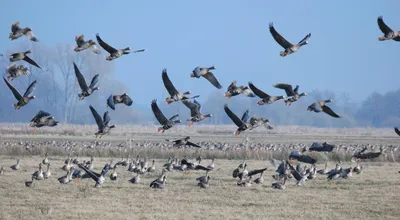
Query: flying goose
column 23, row 56
column 17, row 32
column 81, row 44
column 241, row 123
column 98, row 178
column 119, row 99
column 195, row 111
column 234, row 90
column 41, row 119
column 292, row 94
column 164, row 122
column 114, row 53
column 22, row 100
column 102, row 123
column 257, row 122
column 360, row 155
column 320, row 105
column 299, row 156
column 289, row 47
column 86, row 91
column 206, row 73
column 183, row 141
column 321, row 147
column 15, row 71
column 175, row 95
column 265, row 98
column 389, row 34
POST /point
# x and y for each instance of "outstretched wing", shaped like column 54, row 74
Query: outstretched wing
column 97, row 117
column 245, row 116
column 397, row 131
column 15, row 27
column 257, row 91
column 211, row 78
column 81, row 80
column 110, row 102
column 94, row 82
column 247, row 92
column 39, row 115
column 233, row 117
column 192, row 144
column 192, row 106
column 174, row 117
column 168, row 84
column 31, row 36
column 288, row 88
column 329, row 111
column 29, row 60
column 306, row 38
column 157, row 113
column 384, row 28
column 106, row 118
column 105, row 46
column 278, row 38
column 30, row 89
column 80, row 39
column 13, row 90
column 126, row 100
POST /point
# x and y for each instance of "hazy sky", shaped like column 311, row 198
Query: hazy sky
column 344, row 53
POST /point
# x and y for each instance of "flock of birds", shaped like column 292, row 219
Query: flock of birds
column 284, row 170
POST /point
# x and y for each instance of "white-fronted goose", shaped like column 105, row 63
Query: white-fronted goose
column 257, row 122
column 45, row 159
column 389, row 34
column 67, row 178
column 26, row 98
column 156, row 184
column 15, row 71
column 234, row 90
column 81, row 44
column 212, row 165
column 16, row 166
column 119, row 99
column 175, row 95
column 321, row 147
column 204, row 184
column 358, row 169
column 183, row 142
column 17, row 32
column 86, row 91
column 41, row 119
column 292, row 94
column 102, row 123
column 206, row 73
column 280, row 185
column 152, row 169
column 38, row 175
column 164, row 122
column 299, row 156
column 195, row 111
column 323, row 171
column 135, row 179
column 114, row 53
column 289, row 48
column 47, row 173
column 241, row 123
column 265, row 98
column 29, row 183
column 320, row 105
column 23, row 56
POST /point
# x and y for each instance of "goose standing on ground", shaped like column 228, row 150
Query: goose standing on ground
column 183, row 141
column 175, row 95
column 241, row 123
column 159, row 184
column 292, row 94
column 320, row 105
column 22, row 100
column 41, row 119
column 358, row 169
column 152, row 169
column 114, row 53
column 289, row 47
column 16, row 166
column 323, row 171
column 119, row 99
column 23, row 56
column 164, row 122
column 257, row 122
column 29, row 183
column 195, row 111
column 265, row 98
column 206, row 73
column 17, row 32
column 135, row 179
column 1, row 170
column 81, row 44
column 234, row 90
column 204, row 184
column 67, row 178
column 46, row 159
column 102, row 123
column 15, row 71
column 38, row 175
column 212, row 165
column 114, row 175
column 47, row 173
column 86, row 91
column 389, row 34
column 280, row 185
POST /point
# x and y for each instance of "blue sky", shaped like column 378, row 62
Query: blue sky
column 344, row 54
